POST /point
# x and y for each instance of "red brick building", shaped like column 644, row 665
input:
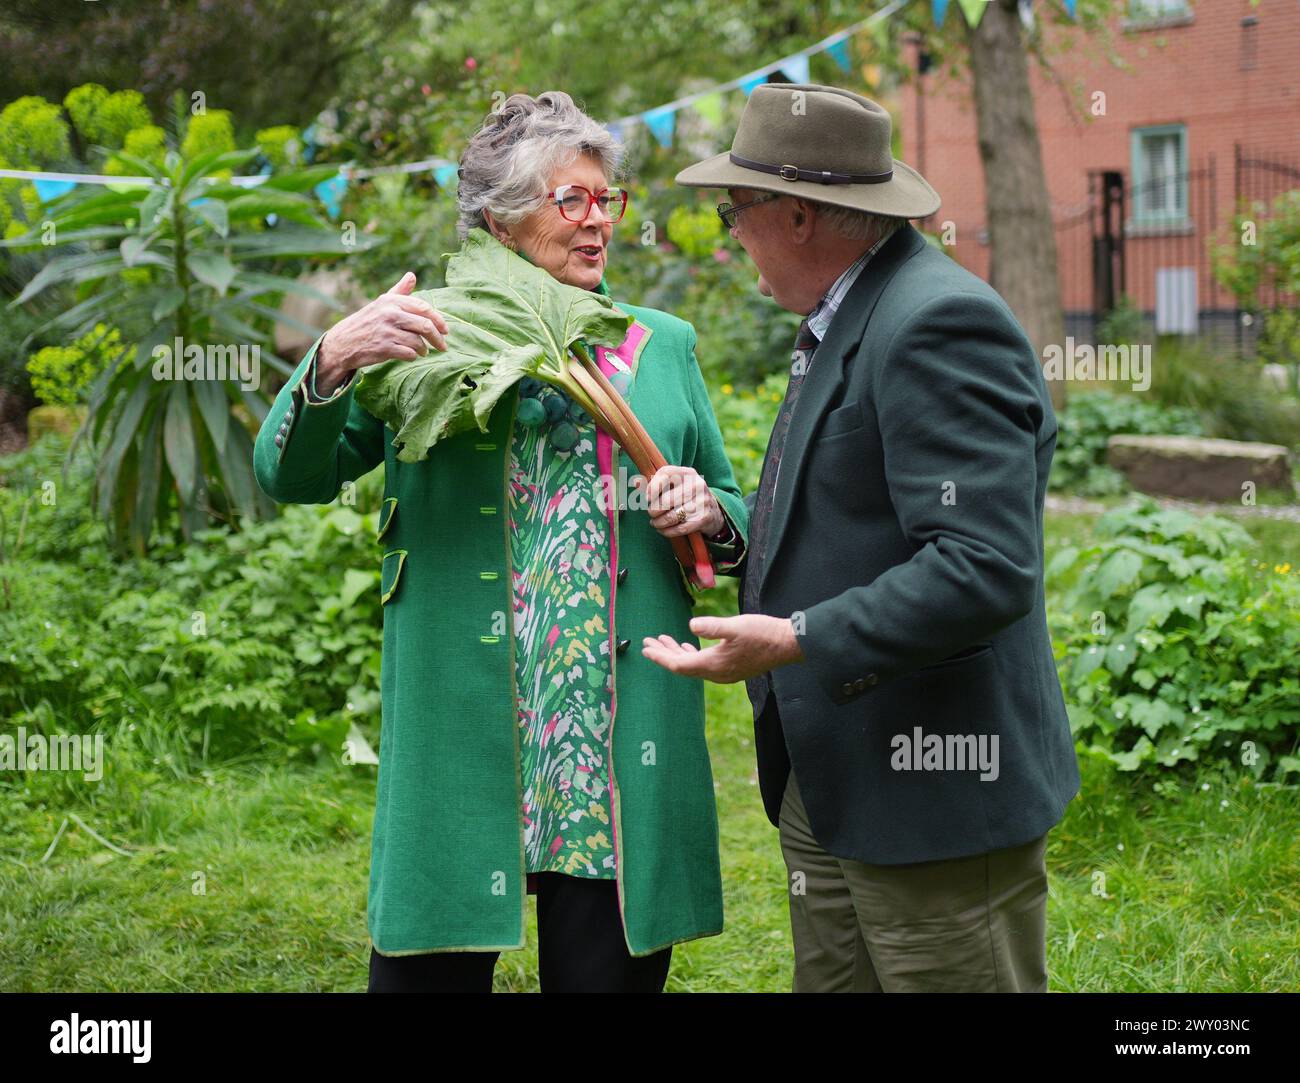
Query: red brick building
column 1145, row 160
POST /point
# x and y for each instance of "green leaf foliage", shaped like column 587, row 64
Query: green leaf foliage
column 184, row 257
column 263, row 642
column 1175, row 646
column 506, row 319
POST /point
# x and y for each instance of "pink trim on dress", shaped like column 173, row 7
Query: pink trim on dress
column 605, row 461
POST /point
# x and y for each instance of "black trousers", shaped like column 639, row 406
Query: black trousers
column 580, row 950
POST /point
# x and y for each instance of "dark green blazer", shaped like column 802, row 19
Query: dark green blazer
column 907, row 542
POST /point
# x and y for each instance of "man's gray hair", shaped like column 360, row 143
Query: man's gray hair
column 506, row 166
column 858, row 225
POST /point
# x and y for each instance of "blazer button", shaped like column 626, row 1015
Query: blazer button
column 847, row 688
column 279, row 439
column 859, row 685
column 623, row 645
column 872, row 679
column 622, row 576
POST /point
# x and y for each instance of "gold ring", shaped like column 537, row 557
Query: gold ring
column 681, row 516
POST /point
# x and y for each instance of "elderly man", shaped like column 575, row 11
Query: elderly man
column 912, row 741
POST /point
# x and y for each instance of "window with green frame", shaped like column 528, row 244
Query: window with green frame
column 1149, row 10
column 1159, row 171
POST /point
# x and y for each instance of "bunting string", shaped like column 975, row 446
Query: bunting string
column 660, row 121
column 708, row 102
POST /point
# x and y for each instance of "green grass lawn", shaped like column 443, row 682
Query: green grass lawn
column 254, row 878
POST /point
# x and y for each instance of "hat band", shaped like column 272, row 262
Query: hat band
column 821, row 176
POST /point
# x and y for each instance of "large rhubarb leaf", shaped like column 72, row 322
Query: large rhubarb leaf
column 506, row 319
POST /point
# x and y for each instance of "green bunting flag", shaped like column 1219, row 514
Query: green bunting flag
column 973, row 10
column 710, row 108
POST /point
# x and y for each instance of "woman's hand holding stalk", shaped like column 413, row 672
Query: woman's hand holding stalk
column 602, row 400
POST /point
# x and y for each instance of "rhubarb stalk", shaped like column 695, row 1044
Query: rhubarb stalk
column 627, row 429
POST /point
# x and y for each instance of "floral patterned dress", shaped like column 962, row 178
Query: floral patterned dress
column 560, row 548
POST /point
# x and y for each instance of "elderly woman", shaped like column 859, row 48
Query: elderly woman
column 525, row 749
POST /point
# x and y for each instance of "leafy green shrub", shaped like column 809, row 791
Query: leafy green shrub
column 103, row 118
column 36, row 521
column 416, row 224
column 82, row 103
column 1123, row 324
column 1264, row 275
column 182, row 257
column 62, row 375
column 17, row 326
column 281, row 145
column 697, row 231
column 121, row 113
column 33, row 133
column 745, row 417
column 1089, row 419
column 1226, row 392
column 148, row 143
column 1174, row 646
column 208, row 132
column 265, row 641
column 6, row 187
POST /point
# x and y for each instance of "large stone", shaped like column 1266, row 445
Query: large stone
column 1198, row 468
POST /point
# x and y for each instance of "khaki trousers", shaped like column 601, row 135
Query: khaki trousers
column 971, row 924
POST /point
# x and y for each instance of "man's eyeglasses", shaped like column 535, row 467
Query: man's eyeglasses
column 729, row 212
column 575, row 202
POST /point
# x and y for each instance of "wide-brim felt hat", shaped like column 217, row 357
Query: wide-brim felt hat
column 819, row 143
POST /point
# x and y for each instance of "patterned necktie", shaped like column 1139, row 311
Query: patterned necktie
column 804, row 345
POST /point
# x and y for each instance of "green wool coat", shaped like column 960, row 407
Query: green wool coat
column 447, row 860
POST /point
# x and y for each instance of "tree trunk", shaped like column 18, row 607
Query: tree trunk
column 1019, row 211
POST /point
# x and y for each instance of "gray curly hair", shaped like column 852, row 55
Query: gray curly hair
column 506, row 165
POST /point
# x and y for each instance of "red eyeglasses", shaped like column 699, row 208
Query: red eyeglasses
column 575, row 202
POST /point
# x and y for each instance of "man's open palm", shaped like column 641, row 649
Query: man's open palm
column 748, row 645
